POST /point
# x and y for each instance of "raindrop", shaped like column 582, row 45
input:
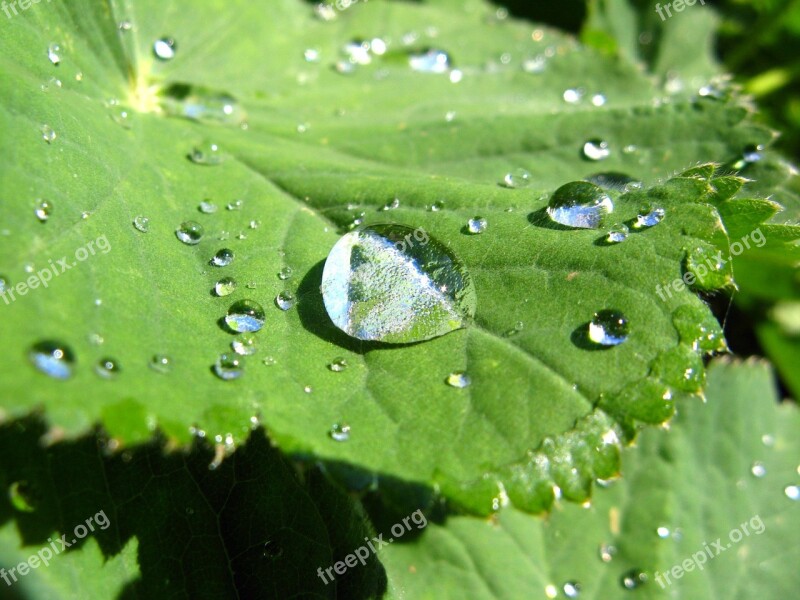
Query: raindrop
column 633, row 579
column 308, row 389
column 456, row 75
column 477, row 225
column 206, row 154
column 222, row 258
column 228, row 367
column 751, row 154
column 244, row 345
column 107, row 368
column 518, row 178
column 340, row 432
column 651, row 218
column 21, row 495
column 338, row 364
column 768, row 440
column 255, row 224
column 190, row 232
column 225, row 286
column 95, row 339
column 607, row 552
column 458, row 379
column 245, row 316
column 141, row 224
column 285, row 300
column 164, row 48
column 48, row 134
column 572, row 589
column 285, row 273
column 617, row 234
column 43, row 210
column 758, row 469
column 357, row 52
column 53, row 359
column 792, row 492
column 430, row 61
column 579, row 204
column 53, row 53
column 52, row 81
column 345, row 68
column 608, row 328
column 396, row 284
column 596, row 150
column 207, row 207
column 160, row 363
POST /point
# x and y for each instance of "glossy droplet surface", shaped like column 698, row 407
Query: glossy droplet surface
column 607, row 552
column 596, row 150
column 160, row 363
column 572, row 589
column 48, row 134
column 164, row 48
column 337, row 365
column 207, row 207
column 340, row 432
column 245, row 316
column 142, row 224
column 244, row 345
column 758, row 469
column 108, row 368
column 614, row 180
column 792, row 492
column 229, row 367
column 43, row 210
column 633, row 579
column 207, row 153
column 579, row 204
column 396, row 284
column 518, row 178
column 477, row 225
column 651, row 218
column 285, row 300
column 225, row 286
column 285, row 273
column 222, row 258
column 431, row 61
column 190, row 232
column 53, row 53
column 53, row 358
column 608, row 328
column 458, row 379
column 617, row 234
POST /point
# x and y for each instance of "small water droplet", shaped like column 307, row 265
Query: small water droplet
column 649, row 219
column 108, row 368
column 477, row 225
column 141, row 224
column 430, row 61
column 4, row 284
column 235, row 205
column 437, row 206
column 607, row 552
column 206, row 153
column 22, row 496
column 768, row 440
column 613, row 180
column 51, row 83
column 272, row 550
column 519, row 178
column 340, row 432
column 269, row 361
column 121, row 116
column 792, row 492
column 392, row 204
column 225, row 286
column 53, row 359
column 357, row 52
column 164, row 48
column 255, row 224
column 572, row 589
column 48, row 134
column 285, row 273
column 207, row 207
column 449, row 116
column 245, row 316
column 617, row 234
column 598, row 99
column 43, row 210
column 345, row 67
column 190, row 232
column 53, row 51
column 534, row 64
column 608, row 328
column 456, row 75
column 633, row 579
column 596, row 150
column 662, row 532
column 160, row 363
column 245, row 345
column 125, row 25
column 579, row 204
column 229, row 367
column 311, row 55
column 572, row 95
column 758, row 469
column 458, row 379
column 338, row 364
column 222, row 258
column 308, row 389
column 285, row 300
column 751, row 154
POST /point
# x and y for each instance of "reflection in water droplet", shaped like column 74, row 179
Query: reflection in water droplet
column 207, row 208
column 431, row 61
column 392, row 204
column 477, row 225
column 518, row 178
column 579, row 204
column 285, row 300
column 225, row 286
column 245, row 316
column 52, row 83
column 164, row 48
column 53, row 51
column 596, row 150
column 534, row 64
column 396, row 284
column 222, row 258
column 207, row 153
column 792, row 492
column 311, row 55
column 43, row 210
column 235, row 205
column 285, row 273
column 598, row 100
column 572, row 589
column 751, row 154
column 190, row 232
column 228, row 367
column 437, row 206
column 608, row 328
column 649, row 219
column 141, row 224
column 125, row 25
column 160, row 363
column 338, row 364
column 107, row 368
column 53, row 359
column 244, row 345
column 48, row 134
column 758, row 469
column 340, row 432
column 458, row 379
column 617, row 234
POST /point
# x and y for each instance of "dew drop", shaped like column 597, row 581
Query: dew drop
column 53, row 81
column 160, row 363
column 285, row 300
column 518, row 178
column 53, row 51
column 53, row 359
column 225, row 286
column 662, row 532
column 608, row 328
column 534, row 64
column 269, row 361
column 48, row 134
column 245, row 316
column 579, row 204
column 598, row 99
column 235, row 205
column 437, row 206
column 207, row 207
column 650, row 219
column 607, row 552
column 125, row 25
column 120, row 116
column 141, row 224
column 345, row 67
column 308, row 389
column 43, row 210
column 396, row 284
column 222, row 258
column 751, row 154
column 458, row 379
column 228, row 367
column 206, row 153
column 596, row 150
column 311, row 55
column 108, row 368
column 477, row 225
column 572, row 95
column 164, row 48
column 758, row 469
column 340, row 432
column 430, row 61
column 617, row 234
column 285, row 273
column 572, row 589
column 244, row 345
column 633, row 579
column 391, row 205
column 338, row 364
column 357, row 52
column 190, row 232
column 792, row 492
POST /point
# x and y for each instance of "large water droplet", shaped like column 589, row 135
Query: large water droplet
column 477, row 225
column 164, row 48
column 340, row 432
column 225, row 286
column 458, row 379
column 395, row 284
column 141, row 224
column 43, row 210
column 108, row 368
column 608, row 328
column 596, row 150
column 285, row 300
column 206, row 153
column 431, row 61
column 53, row 53
column 579, row 204
column 245, row 316
column 228, row 367
column 222, row 258
column 649, row 219
column 190, row 232
column 53, row 359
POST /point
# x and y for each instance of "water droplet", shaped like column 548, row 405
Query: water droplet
column 120, row 116
column 206, row 154
column 649, row 219
column 551, row 591
column 53, row 359
column 125, row 25
column 229, row 366
column 235, row 205
column 164, row 48
column 430, row 61
column 245, row 316
column 285, row 300
column 391, row 205
column 572, row 589
column 4, row 284
column 617, row 234
column 608, row 328
column 325, row 12
column 222, row 258
column 207, row 208
column 308, row 389
column 272, row 550
column 43, row 210
column 345, row 67
column 48, row 134
column 53, row 51
column 477, row 225
column 244, row 345
column 613, row 180
column 85, row 215
column 107, row 368
column 160, row 363
column 458, row 379
column 572, row 95
column 751, row 154
column 437, row 205
column 596, row 150
column 633, row 579
column 357, row 52
column 190, row 232
column 449, row 116
column 254, row 224
column 792, row 492
column 51, row 83
column 534, row 64
column 21, row 495
column 141, row 224
column 285, row 273
column 662, row 532
column 396, row 284
column 338, row 364
column 456, row 75
column 758, row 469
column 768, row 440
column 607, row 552
column 225, row 286
column 579, row 204
column 340, row 432
column 201, row 104
column 311, row 55
column 518, row 178
column 269, row 361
